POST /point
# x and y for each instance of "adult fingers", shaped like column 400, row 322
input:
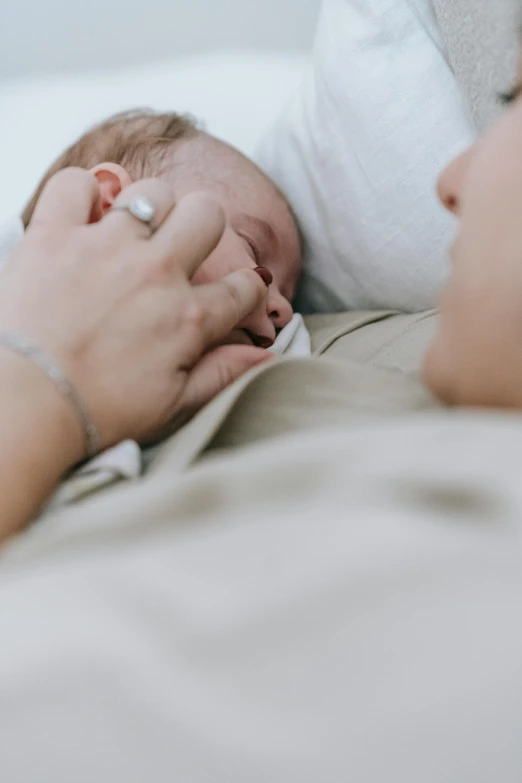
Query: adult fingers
column 228, row 302
column 190, row 233
column 217, row 370
column 120, row 219
column 67, row 199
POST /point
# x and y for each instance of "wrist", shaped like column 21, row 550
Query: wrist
column 40, row 440
column 44, row 418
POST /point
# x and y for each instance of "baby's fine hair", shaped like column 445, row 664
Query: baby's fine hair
column 138, row 140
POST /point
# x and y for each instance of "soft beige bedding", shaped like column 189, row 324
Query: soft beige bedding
column 365, row 368
column 340, row 601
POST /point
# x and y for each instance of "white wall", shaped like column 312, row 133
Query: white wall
column 57, row 35
column 65, row 63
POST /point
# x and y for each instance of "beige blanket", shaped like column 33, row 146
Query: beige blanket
column 339, row 602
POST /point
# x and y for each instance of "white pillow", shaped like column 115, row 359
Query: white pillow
column 358, row 153
column 238, row 95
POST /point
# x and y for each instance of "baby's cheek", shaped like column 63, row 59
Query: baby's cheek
column 206, row 273
column 200, row 277
column 215, row 267
column 229, row 256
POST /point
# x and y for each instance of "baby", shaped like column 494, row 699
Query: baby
column 260, row 229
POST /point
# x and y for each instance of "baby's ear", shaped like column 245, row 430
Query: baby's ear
column 112, row 179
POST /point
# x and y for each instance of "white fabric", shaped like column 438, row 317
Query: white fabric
column 339, row 607
column 237, row 95
column 294, row 340
column 123, row 462
column 358, row 152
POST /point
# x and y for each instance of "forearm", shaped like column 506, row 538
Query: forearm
column 40, row 440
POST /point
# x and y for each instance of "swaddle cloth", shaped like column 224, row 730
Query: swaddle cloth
column 124, row 462
column 294, row 340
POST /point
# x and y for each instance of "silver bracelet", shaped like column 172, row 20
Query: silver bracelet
column 23, row 346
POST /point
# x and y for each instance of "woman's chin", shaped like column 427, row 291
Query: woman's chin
column 435, row 373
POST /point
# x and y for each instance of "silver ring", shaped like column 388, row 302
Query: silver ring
column 142, row 208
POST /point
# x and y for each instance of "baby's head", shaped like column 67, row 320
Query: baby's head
column 260, row 229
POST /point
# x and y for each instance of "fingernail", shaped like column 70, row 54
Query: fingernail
column 265, row 274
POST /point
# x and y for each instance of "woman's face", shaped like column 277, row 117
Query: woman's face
column 476, row 357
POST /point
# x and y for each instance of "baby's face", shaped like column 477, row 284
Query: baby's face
column 260, row 230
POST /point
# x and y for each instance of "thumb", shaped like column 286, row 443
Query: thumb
column 217, row 370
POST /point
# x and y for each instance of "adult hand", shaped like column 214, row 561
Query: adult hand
column 115, row 307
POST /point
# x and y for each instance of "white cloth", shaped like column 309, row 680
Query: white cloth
column 294, row 340
column 125, row 460
column 358, row 152
column 121, row 462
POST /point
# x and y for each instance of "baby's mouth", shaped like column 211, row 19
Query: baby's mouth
column 245, row 337
column 261, row 342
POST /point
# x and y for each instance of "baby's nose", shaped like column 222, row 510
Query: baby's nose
column 279, row 309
